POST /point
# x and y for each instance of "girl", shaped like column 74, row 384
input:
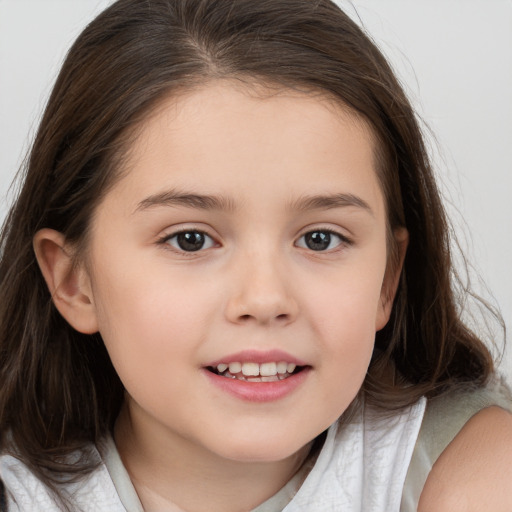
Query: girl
column 226, row 282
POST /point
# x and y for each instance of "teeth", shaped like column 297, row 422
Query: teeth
column 250, row 369
column 282, row 367
column 269, row 372
column 235, row 367
column 268, row 369
column 270, row 378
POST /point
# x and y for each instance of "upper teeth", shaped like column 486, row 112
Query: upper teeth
column 255, row 369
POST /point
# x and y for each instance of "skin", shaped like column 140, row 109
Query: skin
column 165, row 314
column 474, row 472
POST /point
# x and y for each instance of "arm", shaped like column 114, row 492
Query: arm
column 474, row 473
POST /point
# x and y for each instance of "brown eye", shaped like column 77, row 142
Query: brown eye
column 320, row 240
column 190, row 241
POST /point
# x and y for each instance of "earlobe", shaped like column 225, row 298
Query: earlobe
column 392, row 278
column 69, row 285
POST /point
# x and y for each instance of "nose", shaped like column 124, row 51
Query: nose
column 261, row 292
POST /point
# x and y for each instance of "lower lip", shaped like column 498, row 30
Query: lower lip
column 258, row 391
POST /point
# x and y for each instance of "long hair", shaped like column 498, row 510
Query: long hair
column 59, row 391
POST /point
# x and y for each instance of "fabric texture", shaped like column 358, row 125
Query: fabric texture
column 25, row 493
column 361, row 467
column 375, row 463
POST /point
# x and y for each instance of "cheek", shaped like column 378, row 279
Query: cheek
column 344, row 323
column 346, row 306
column 348, row 333
column 148, row 320
column 147, row 297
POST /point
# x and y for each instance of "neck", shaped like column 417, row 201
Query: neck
column 171, row 473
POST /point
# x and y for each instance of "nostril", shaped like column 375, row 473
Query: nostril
column 246, row 318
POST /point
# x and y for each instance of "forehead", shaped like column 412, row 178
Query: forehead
column 228, row 135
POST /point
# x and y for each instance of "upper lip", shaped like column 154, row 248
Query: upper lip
column 256, row 356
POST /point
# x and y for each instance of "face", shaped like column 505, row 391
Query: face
column 236, row 271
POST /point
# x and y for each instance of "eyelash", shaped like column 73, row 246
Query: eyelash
column 344, row 241
column 165, row 240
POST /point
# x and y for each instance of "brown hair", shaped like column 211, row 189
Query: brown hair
column 59, row 389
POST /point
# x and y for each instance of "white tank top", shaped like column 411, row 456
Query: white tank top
column 361, row 467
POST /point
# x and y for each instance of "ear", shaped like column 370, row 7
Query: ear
column 392, row 278
column 69, row 285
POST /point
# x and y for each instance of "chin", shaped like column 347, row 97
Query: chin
column 263, row 450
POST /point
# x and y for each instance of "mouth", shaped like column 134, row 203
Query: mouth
column 256, row 372
column 258, row 376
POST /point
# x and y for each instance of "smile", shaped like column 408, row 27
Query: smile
column 254, row 372
column 257, row 376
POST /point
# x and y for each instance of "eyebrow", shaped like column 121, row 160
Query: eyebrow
column 175, row 198
column 329, row 201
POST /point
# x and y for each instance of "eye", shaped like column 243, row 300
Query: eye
column 190, row 241
column 321, row 240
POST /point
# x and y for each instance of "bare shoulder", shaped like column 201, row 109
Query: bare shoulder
column 474, row 473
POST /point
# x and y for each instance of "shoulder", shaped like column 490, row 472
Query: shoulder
column 23, row 490
column 474, row 472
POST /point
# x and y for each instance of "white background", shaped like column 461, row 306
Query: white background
column 454, row 57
